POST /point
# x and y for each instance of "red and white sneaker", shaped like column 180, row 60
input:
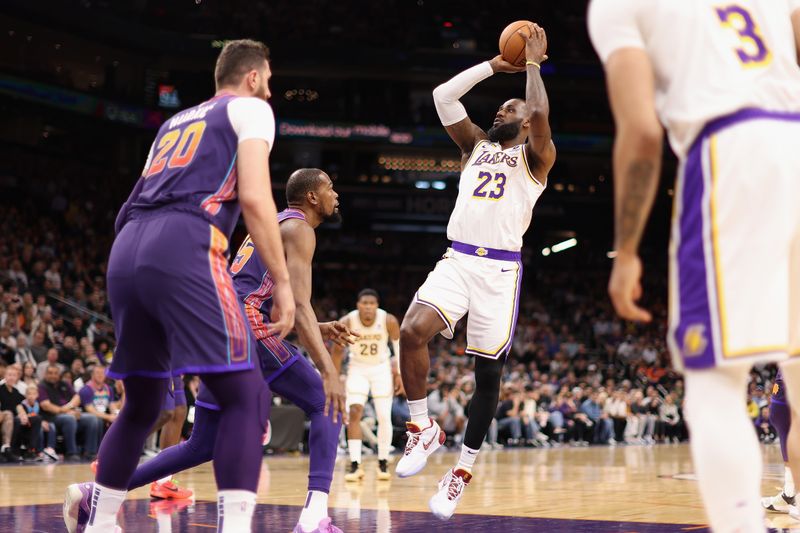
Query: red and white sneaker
column 451, row 488
column 169, row 490
column 421, row 443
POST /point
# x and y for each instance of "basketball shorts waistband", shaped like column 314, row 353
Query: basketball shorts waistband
column 488, row 253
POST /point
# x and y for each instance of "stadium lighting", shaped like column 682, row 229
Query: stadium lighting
column 422, row 185
column 612, row 254
column 564, row 245
column 439, row 185
column 546, row 252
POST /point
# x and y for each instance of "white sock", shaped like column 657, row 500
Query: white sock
column 354, row 447
column 419, row 412
column 467, row 458
column 788, row 482
column 717, row 415
column 165, row 479
column 105, row 506
column 315, row 510
column 235, row 511
column 164, row 522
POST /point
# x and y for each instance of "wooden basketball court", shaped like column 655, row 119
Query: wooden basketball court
column 598, row 489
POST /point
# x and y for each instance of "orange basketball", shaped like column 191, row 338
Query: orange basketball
column 512, row 45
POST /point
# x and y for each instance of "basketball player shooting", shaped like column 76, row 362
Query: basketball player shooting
column 502, row 177
column 724, row 82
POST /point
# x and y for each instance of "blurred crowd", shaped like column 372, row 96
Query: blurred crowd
column 576, row 374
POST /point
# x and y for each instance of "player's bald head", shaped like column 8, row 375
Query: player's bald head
column 301, row 182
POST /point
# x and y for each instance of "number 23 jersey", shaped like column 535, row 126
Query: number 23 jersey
column 496, row 196
column 373, row 346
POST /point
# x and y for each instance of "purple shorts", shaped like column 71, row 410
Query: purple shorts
column 172, row 299
column 274, row 356
column 176, row 396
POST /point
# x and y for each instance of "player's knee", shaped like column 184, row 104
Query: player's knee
column 412, row 333
column 356, row 412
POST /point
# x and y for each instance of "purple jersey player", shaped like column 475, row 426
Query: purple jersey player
column 312, row 200
column 172, row 298
column 780, row 417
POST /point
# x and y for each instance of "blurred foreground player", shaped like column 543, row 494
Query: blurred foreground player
column 724, row 81
column 173, row 301
column 502, row 177
column 780, row 418
column 311, row 200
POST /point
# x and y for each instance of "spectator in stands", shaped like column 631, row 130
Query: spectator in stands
column 10, row 398
column 29, row 375
column 53, row 276
column 445, row 408
column 38, row 347
column 671, row 419
column 81, row 375
column 28, row 427
column 603, row 428
column 8, row 344
column 46, row 438
column 24, row 354
column 508, row 413
column 61, row 407
column 617, row 410
column 766, row 432
column 97, row 397
column 69, row 350
column 17, row 374
column 51, row 360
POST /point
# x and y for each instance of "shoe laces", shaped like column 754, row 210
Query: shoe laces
column 413, row 439
column 456, row 487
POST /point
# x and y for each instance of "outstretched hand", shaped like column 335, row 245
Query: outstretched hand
column 535, row 43
column 338, row 333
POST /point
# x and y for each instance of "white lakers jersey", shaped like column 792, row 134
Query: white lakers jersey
column 373, row 346
column 496, row 195
column 711, row 57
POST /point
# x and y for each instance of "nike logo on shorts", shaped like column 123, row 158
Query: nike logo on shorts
column 506, row 269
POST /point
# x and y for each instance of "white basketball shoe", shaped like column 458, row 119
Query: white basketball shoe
column 451, row 487
column 778, row 504
column 421, row 443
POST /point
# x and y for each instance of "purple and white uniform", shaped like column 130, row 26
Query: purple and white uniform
column 727, row 89
column 172, row 298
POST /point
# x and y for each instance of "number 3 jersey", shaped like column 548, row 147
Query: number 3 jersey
column 192, row 162
column 497, row 192
column 372, row 348
column 710, row 57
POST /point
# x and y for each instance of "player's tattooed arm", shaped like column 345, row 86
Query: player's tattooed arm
column 540, row 138
column 638, row 146
column 635, row 195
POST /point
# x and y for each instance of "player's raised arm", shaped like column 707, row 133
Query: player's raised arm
column 540, row 139
column 452, row 112
column 300, row 242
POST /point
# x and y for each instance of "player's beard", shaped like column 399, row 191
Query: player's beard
column 333, row 218
column 504, row 132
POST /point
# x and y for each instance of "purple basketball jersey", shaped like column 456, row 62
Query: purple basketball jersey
column 253, row 282
column 192, row 165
